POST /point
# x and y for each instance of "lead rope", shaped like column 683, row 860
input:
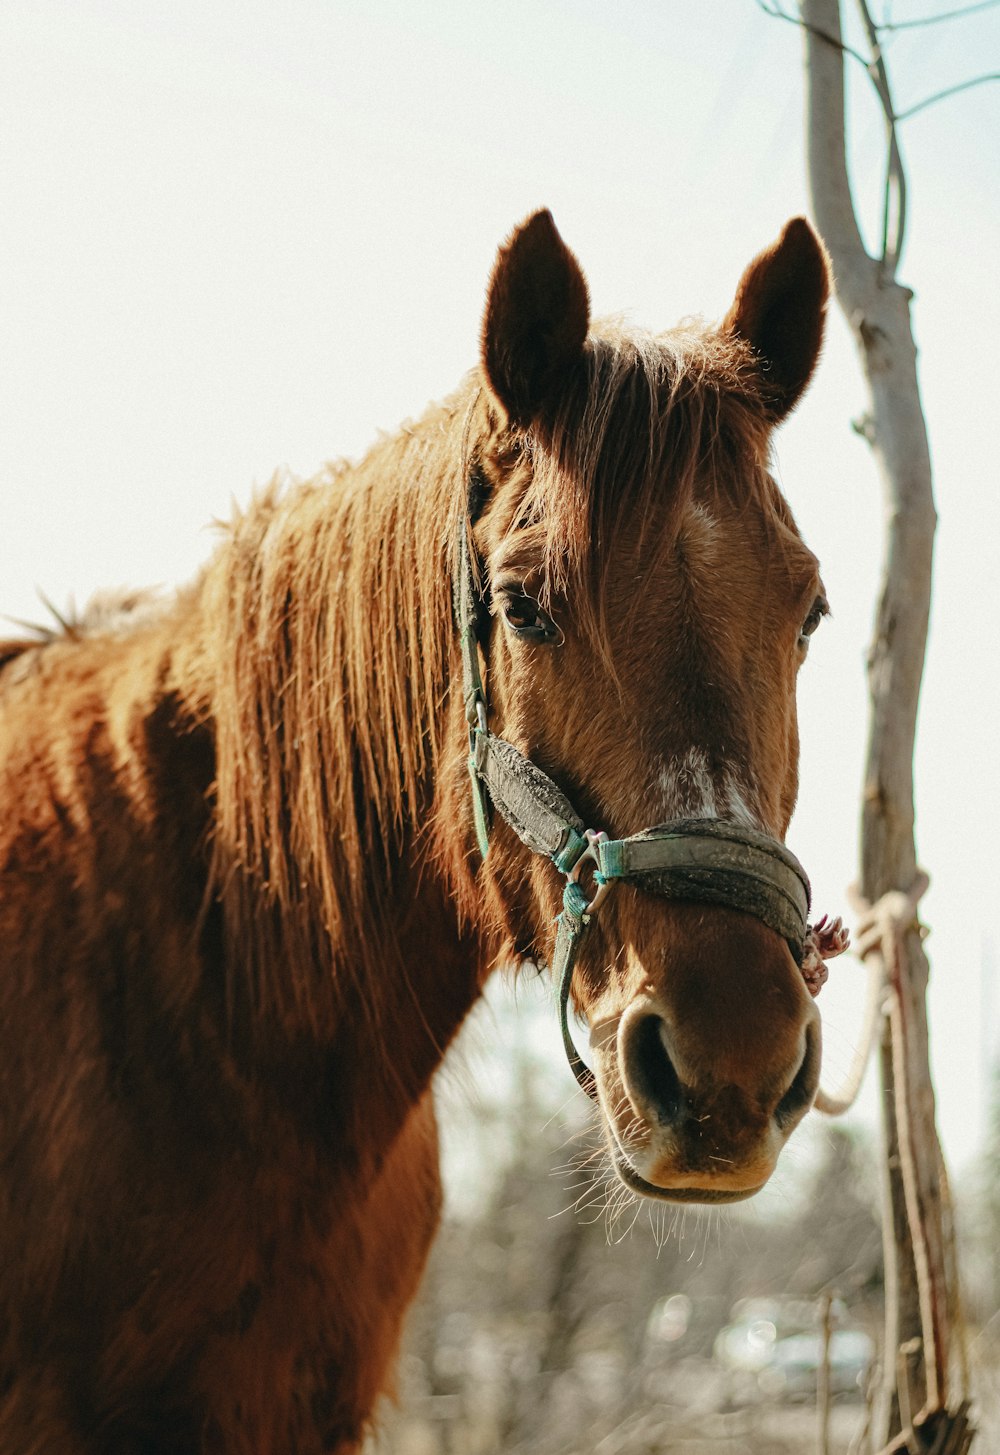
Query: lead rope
column 876, row 938
column 570, row 926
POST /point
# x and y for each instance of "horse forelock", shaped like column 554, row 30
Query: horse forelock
column 656, row 423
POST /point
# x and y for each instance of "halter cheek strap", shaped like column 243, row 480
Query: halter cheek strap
column 708, row 861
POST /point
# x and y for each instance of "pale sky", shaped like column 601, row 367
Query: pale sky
column 239, row 236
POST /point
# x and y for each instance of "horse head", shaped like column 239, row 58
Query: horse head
column 647, row 602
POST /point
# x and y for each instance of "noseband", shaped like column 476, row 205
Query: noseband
column 708, row 861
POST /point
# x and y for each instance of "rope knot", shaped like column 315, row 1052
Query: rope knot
column 880, row 931
column 882, row 924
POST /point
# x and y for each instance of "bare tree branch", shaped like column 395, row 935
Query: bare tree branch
column 949, row 91
column 917, row 1262
column 893, row 25
column 894, row 200
column 776, row 13
column 877, row 29
column 833, row 205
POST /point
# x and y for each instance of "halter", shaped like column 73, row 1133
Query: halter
column 709, row 861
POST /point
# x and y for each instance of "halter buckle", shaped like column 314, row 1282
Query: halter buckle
column 590, row 853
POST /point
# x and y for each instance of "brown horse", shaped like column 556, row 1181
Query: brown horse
column 243, row 909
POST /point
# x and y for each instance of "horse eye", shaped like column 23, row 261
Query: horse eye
column 820, row 608
column 526, row 618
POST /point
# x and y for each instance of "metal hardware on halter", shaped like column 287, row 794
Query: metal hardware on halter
column 590, row 855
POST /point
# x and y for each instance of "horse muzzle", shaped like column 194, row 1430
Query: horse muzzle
column 686, row 1124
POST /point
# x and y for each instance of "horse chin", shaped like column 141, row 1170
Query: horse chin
column 635, row 1183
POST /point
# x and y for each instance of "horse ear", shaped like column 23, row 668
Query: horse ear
column 780, row 309
column 537, row 312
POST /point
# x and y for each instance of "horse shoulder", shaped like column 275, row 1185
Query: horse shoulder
column 324, row 1310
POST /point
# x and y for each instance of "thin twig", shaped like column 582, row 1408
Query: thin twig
column 893, row 227
column 776, row 13
column 948, row 91
column 823, row 1373
column 874, row 67
column 895, row 176
column 892, row 25
column 912, row 1346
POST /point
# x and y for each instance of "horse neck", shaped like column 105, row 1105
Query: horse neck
column 333, row 662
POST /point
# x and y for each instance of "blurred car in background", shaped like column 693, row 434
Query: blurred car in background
column 772, row 1348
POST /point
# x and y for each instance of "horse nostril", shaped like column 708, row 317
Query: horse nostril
column 652, row 1082
column 803, row 1088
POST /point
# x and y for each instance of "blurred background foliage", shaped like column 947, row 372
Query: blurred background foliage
column 559, row 1318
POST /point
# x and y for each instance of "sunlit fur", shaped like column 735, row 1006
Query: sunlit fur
column 242, row 913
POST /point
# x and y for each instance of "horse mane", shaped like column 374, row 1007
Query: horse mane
column 107, row 613
column 331, row 649
column 328, row 622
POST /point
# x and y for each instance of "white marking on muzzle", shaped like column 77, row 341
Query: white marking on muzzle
column 688, row 790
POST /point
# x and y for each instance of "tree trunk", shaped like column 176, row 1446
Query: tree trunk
column 878, row 311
